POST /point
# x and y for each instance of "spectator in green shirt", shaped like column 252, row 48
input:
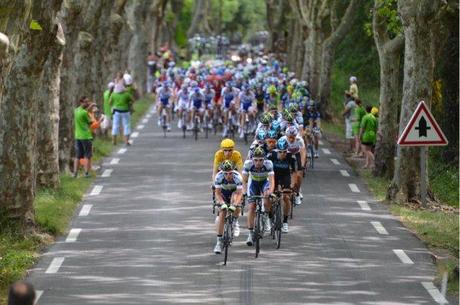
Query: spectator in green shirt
column 120, row 101
column 368, row 136
column 83, row 137
column 107, row 121
column 356, row 123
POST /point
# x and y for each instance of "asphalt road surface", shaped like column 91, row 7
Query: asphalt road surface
column 144, row 234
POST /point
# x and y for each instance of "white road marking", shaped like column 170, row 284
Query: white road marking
column 85, row 210
column 326, row 151
column 55, row 265
column 148, row 116
column 320, row 142
column 335, row 161
column 107, row 173
column 140, row 127
column 344, row 173
column 73, row 235
column 145, row 121
column 122, row 151
column 379, row 227
column 96, row 190
column 434, row 292
column 38, row 294
column 364, row 206
column 115, row 161
column 403, row 256
column 354, row 188
column 134, row 134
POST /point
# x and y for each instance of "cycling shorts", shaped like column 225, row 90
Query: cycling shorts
column 257, row 188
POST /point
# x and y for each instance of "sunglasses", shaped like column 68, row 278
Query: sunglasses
column 229, row 173
column 228, row 150
column 282, row 151
column 291, row 137
column 258, row 160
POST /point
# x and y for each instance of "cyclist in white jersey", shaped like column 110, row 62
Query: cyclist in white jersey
column 183, row 104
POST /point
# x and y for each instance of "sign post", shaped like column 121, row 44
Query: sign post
column 422, row 130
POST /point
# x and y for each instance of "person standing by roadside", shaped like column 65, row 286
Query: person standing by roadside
column 151, row 69
column 354, row 87
column 368, row 136
column 356, row 123
column 107, row 122
column 349, row 115
column 83, row 137
column 120, row 101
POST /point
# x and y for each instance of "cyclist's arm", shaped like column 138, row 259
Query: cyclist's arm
column 219, row 197
column 245, row 183
column 271, row 180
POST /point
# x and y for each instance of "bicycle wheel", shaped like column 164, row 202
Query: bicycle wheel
column 312, row 157
column 278, row 224
column 226, row 239
column 163, row 124
column 206, row 122
column 195, row 128
column 257, row 229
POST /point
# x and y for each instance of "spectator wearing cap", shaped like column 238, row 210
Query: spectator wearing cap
column 349, row 114
column 21, row 293
column 353, row 87
column 120, row 100
column 368, row 136
column 129, row 86
column 107, row 121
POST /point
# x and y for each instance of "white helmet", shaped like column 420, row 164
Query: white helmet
column 353, row 79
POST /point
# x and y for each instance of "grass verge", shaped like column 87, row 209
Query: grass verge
column 53, row 211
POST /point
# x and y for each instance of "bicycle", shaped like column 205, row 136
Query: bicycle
column 248, row 128
column 184, row 123
column 206, row 120
column 259, row 224
column 196, row 126
column 277, row 219
column 164, row 122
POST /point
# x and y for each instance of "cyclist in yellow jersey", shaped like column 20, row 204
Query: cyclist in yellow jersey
column 227, row 152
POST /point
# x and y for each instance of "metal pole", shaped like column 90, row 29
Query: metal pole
column 423, row 175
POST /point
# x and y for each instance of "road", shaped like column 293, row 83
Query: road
column 144, row 234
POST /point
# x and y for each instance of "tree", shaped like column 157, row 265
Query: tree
column 200, row 23
column 18, row 107
column 339, row 30
column 385, row 24
column 276, row 12
column 418, row 18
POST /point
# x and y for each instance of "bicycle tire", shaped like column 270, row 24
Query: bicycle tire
column 257, row 234
column 206, row 126
column 278, row 224
column 226, row 240
column 312, row 157
column 163, row 124
column 195, row 128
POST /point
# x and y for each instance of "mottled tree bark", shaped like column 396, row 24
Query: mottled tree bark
column 156, row 18
column 276, row 12
column 18, row 113
column 48, row 116
column 328, row 50
column 417, row 17
column 390, row 55
column 200, row 18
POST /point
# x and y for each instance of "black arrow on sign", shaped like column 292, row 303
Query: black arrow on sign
column 422, row 127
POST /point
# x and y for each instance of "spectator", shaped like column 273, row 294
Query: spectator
column 129, row 86
column 107, row 121
column 21, row 293
column 368, row 136
column 121, row 101
column 349, row 115
column 356, row 123
column 83, row 137
column 353, row 87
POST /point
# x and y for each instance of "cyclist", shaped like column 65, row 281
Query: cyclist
column 183, row 104
column 297, row 115
column 314, row 123
column 226, row 152
column 259, row 141
column 283, row 165
column 270, row 142
column 296, row 147
column 209, row 95
column 258, row 179
column 246, row 99
column 229, row 97
column 229, row 188
column 197, row 104
column 164, row 94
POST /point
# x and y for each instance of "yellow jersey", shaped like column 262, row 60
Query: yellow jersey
column 235, row 158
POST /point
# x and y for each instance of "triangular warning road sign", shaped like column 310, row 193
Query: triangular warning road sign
column 422, row 129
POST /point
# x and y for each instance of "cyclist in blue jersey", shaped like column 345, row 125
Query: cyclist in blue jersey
column 209, row 95
column 258, row 180
column 229, row 100
column 246, row 98
column 197, row 104
column 163, row 97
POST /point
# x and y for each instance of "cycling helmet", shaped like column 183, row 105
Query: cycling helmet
column 291, row 131
column 275, row 125
column 282, row 144
column 265, row 119
column 258, row 153
column 288, row 116
column 293, row 107
column 273, row 107
column 272, row 90
column 226, row 166
column 261, row 135
column 272, row 134
column 227, row 144
column 196, row 90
